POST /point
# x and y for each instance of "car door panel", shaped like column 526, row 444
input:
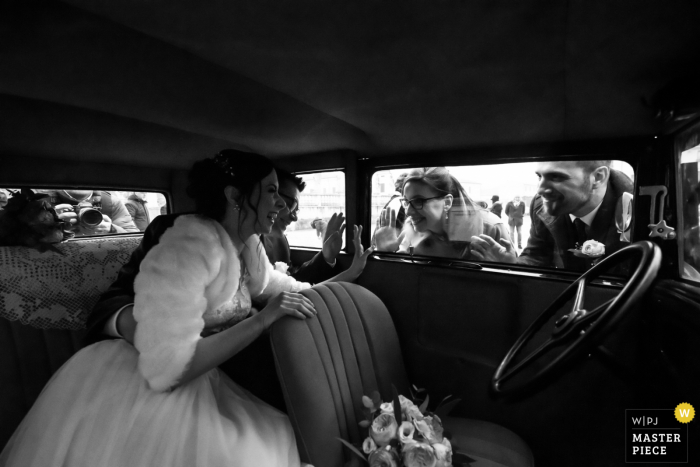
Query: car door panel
column 455, row 326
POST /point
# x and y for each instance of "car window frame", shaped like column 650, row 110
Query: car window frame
column 348, row 231
column 55, row 186
column 628, row 151
column 680, row 144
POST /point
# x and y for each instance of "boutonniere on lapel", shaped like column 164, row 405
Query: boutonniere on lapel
column 282, row 267
column 590, row 249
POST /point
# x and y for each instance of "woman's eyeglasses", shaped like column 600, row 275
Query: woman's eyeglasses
column 417, row 203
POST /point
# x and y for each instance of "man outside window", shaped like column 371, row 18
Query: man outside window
column 496, row 206
column 575, row 202
column 515, row 210
column 116, row 218
column 136, row 205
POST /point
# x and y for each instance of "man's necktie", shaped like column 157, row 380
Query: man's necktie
column 580, row 231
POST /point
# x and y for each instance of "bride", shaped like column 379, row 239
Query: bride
column 163, row 401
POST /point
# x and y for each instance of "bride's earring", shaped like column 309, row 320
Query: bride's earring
column 447, row 215
column 231, row 195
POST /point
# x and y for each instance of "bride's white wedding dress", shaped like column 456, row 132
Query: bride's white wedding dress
column 112, row 405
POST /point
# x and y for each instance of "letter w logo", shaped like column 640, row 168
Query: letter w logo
column 685, row 412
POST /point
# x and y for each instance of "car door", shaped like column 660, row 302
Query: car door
column 456, row 321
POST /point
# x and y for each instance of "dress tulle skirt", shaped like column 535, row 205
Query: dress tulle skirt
column 97, row 410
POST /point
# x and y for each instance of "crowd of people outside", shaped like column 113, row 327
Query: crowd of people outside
column 573, row 202
column 462, row 216
column 121, row 211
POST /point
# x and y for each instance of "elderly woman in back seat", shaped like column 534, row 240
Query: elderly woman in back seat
column 163, row 401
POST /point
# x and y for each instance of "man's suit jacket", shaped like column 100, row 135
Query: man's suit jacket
column 139, row 212
column 313, row 271
column 515, row 213
column 552, row 236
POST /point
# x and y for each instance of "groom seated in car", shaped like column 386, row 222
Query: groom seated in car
column 576, row 202
column 323, row 265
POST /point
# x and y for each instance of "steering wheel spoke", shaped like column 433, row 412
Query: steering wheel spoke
column 535, row 354
column 579, row 329
column 580, row 293
column 589, row 317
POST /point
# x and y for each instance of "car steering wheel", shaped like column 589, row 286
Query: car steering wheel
column 581, row 327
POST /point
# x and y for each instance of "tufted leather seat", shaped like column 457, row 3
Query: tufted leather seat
column 325, row 365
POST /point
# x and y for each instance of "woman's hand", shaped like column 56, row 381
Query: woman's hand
column 287, row 304
column 485, row 248
column 359, row 259
column 385, row 238
column 333, row 239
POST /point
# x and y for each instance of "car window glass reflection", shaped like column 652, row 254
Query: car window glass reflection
column 322, row 195
column 562, row 214
column 93, row 212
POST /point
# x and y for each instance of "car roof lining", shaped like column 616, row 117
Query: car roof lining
column 379, row 78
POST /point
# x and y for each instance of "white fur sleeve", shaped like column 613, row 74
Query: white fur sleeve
column 170, row 300
column 280, row 282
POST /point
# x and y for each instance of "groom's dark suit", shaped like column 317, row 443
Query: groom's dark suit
column 313, row 271
column 552, row 236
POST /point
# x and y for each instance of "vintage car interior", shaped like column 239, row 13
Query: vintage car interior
column 124, row 96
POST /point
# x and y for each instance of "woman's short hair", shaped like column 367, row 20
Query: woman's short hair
column 283, row 175
column 230, row 167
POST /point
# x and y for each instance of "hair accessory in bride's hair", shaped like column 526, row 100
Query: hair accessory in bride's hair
column 224, row 163
column 30, row 220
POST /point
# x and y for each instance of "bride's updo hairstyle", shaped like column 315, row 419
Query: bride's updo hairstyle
column 208, row 178
column 440, row 179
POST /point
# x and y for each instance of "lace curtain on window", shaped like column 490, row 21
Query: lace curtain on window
column 53, row 291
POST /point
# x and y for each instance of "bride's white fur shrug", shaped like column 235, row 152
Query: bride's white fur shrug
column 194, row 268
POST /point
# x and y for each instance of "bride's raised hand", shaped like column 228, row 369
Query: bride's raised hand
column 287, row 304
column 359, row 259
column 385, row 237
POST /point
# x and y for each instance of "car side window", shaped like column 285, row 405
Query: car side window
column 96, row 212
column 322, row 196
column 559, row 214
column 688, row 154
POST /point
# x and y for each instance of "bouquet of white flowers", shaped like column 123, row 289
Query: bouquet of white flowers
column 414, row 438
